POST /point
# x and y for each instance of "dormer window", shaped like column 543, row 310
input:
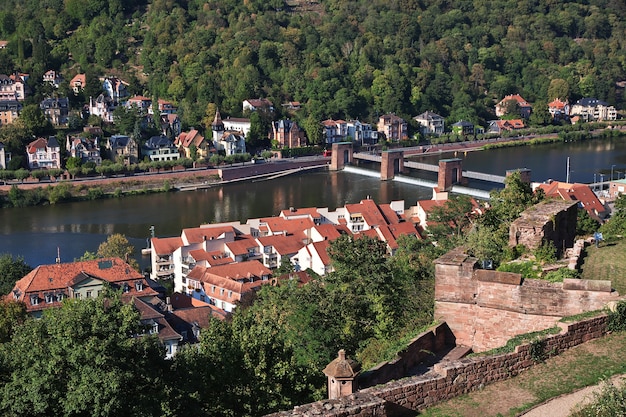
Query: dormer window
column 34, row 300
column 126, row 287
column 50, row 298
column 138, row 285
column 60, row 297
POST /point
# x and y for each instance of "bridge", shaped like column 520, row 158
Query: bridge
column 499, row 179
column 450, row 176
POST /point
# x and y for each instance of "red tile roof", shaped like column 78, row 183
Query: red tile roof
column 166, row 245
column 57, row 278
column 200, row 234
column 283, row 245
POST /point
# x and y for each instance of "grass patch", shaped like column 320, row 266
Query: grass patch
column 582, row 316
column 606, row 262
column 584, row 365
column 519, row 340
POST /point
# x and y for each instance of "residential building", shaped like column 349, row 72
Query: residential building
column 334, row 131
column 361, row 133
column 186, row 140
column 88, row 150
column 121, row 146
column 12, row 87
column 160, row 148
column 114, row 88
column 44, row 153
column 53, row 78
column 292, row 106
column 142, row 103
column 225, row 285
column 103, row 107
column 57, row 110
column 9, row 111
column 392, row 127
column 255, row 104
column 5, row 157
column 522, row 107
column 431, row 123
column 463, row 128
column 593, row 110
column 499, row 126
column 165, row 107
column 581, row 193
column 78, row 83
column 170, row 124
column 48, row 285
column 298, row 236
column 287, row 134
column 237, row 124
column 156, row 323
column 617, row 187
column 231, row 142
column 559, row 110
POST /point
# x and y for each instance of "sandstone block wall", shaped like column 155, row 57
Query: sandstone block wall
column 422, row 348
column 450, row 379
column 484, row 308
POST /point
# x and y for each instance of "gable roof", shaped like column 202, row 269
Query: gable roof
column 166, row 245
column 57, row 278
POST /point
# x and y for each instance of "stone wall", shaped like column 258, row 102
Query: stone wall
column 449, row 379
column 425, row 347
column 550, row 221
column 484, row 308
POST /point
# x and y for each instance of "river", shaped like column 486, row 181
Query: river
column 70, row 229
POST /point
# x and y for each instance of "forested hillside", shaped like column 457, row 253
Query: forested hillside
column 343, row 59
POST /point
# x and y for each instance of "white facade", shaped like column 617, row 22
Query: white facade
column 237, row 124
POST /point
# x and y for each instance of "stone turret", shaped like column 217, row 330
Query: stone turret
column 342, row 374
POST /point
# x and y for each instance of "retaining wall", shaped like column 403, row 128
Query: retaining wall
column 450, row 379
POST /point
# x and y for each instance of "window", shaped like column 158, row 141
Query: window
column 88, row 295
column 49, row 298
column 139, row 285
column 221, row 291
column 126, row 287
column 77, row 295
column 230, row 294
column 60, row 296
column 213, row 289
column 34, row 300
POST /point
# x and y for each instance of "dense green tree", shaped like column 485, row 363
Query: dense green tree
column 11, row 270
column 12, row 314
column 82, row 359
column 34, row 120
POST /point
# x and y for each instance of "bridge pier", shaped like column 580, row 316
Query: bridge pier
column 392, row 163
column 341, row 155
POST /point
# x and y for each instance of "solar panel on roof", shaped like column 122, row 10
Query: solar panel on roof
column 105, row 264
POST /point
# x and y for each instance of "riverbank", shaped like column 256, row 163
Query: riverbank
column 50, row 192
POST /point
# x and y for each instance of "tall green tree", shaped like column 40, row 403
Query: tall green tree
column 11, row 270
column 86, row 358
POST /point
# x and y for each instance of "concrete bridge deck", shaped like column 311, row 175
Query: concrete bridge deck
column 499, row 179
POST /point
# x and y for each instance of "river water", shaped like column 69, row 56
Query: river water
column 40, row 233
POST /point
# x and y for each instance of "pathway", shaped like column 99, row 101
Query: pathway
column 564, row 405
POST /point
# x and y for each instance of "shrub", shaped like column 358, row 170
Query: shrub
column 617, row 318
column 528, row 269
column 546, row 253
column 560, row 274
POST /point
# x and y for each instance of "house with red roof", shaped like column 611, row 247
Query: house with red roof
column 523, row 108
column 48, row 285
column 499, row 126
column 224, row 286
column 581, row 193
column 558, row 109
column 254, row 104
column 186, row 140
column 78, row 83
column 44, row 153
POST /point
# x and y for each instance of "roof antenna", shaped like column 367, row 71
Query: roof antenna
column 58, row 259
